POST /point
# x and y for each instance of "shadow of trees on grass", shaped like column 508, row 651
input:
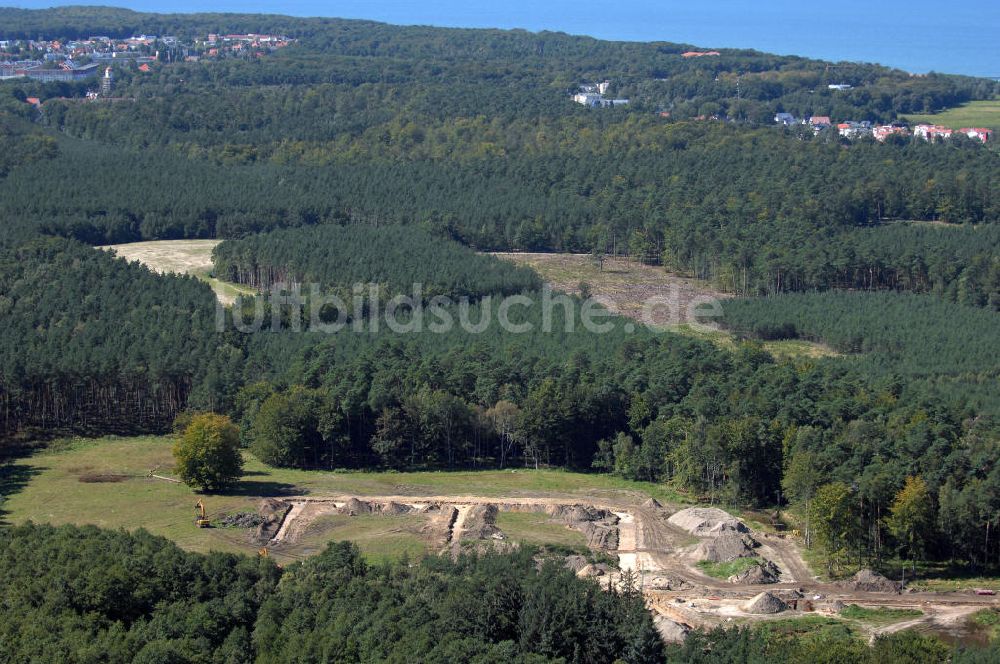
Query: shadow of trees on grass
column 13, row 478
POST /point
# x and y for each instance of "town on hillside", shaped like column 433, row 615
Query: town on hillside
column 593, row 95
column 55, row 60
column 852, row 130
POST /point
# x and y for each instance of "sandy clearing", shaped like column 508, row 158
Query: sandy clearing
column 645, row 293
column 193, row 257
column 169, row 256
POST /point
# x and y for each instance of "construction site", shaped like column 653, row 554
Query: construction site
column 673, row 555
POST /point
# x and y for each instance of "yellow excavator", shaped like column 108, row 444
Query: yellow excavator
column 202, row 521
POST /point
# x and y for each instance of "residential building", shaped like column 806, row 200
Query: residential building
column 978, row 134
column 820, row 122
column 587, row 98
column 932, row 132
column 852, row 129
column 594, row 99
column 839, row 86
column 883, row 132
column 786, row 119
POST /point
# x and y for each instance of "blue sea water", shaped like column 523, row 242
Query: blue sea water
column 961, row 37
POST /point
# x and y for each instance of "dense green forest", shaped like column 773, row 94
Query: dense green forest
column 368, row 123
column 88, row 595
column 395, row 258
column 95, row 343
column 367, row 151
column 654, row 74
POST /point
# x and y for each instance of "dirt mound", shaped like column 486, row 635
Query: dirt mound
column 572, row 514
column 354, row 507
column 765, row 603
column 872, row 582
column 670, row 631
column 599, row 526
column 589, row 571
column 728, row 546
column 575, row 562
column 98, row 478
column 599, row 535
column 707, row 522
column 393, row 508
column 765, row 572
column 652, row 504
column 439, row 523
column 272, row 513
column 481, row 523
column 241, row 520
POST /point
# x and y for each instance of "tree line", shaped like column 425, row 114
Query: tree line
column 397, row 258
column 81, row 594
column 97, row 344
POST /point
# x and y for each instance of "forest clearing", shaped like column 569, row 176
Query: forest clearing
column 623, row 286
column 192, row 257
column 608, row 529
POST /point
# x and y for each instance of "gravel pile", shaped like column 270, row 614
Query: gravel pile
column 728, row 546
column 765, row 572
column 765, row 603
column 868, row 581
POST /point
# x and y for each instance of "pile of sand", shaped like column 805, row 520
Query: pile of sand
column 652, row 504
column 707, row 522
column 728, row 546
column 765, row 572
column 272, row 513
column 765, row 603
column 872, row 582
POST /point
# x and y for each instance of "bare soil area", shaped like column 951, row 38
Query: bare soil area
column 643, row 292
column 659, row 552
column 166, row 256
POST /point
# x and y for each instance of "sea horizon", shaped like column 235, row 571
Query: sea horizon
column 919, row 38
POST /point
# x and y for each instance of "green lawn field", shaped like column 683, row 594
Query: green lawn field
column 974, row 114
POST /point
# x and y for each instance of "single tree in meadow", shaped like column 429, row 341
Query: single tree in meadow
column 207, row 453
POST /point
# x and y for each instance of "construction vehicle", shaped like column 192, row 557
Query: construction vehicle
column 202, row 521
column 262, row 552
